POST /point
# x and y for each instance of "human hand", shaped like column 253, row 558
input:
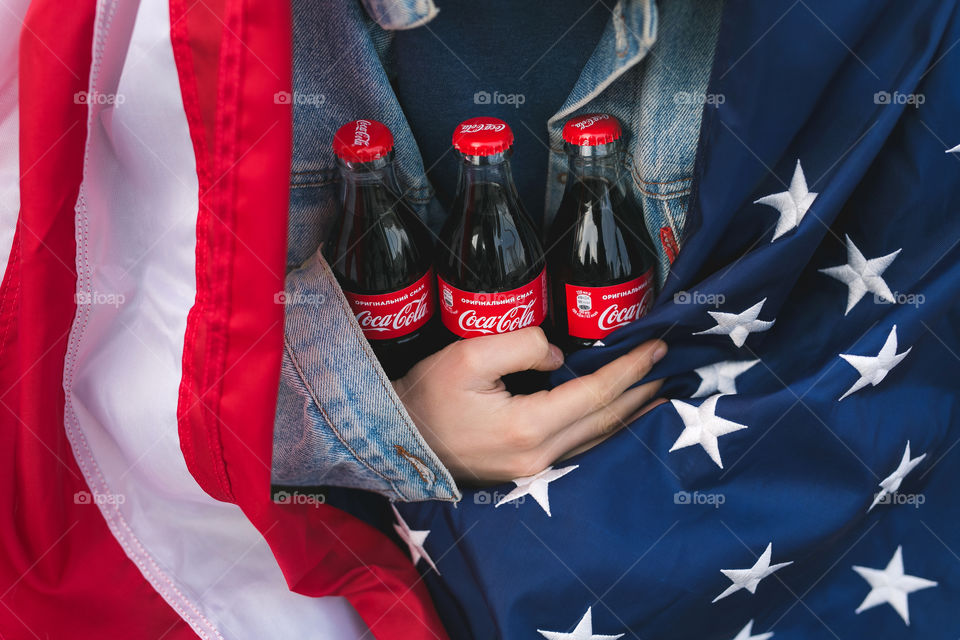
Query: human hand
column 483, row 434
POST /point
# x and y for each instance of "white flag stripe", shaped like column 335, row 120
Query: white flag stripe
column 136, row 221
column 13, row 12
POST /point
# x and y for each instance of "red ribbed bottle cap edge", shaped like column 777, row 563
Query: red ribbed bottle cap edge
column 483, row 136
column 591, row 129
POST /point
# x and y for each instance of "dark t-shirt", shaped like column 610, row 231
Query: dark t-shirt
column 512, row 59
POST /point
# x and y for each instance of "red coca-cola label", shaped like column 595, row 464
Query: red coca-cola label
column 669, row 242
column 470, row 314
column 391, row 315
column 594, row 312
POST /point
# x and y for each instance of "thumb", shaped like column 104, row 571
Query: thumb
column 497, row 355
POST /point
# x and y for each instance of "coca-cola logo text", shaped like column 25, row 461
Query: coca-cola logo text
column 471, row 314
column 391, row 315
column 593, row 312
column 361, row 137
column 518, row 317
column 583, row 124
column 616, row 316
column 410, row 314
column 475, row 128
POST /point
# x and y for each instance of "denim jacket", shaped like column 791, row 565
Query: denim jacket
column 338, row 420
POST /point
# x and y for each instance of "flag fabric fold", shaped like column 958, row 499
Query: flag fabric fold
column 141, row 341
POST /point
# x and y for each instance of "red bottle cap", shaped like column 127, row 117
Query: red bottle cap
column 591, row 129
column 482, row 136
column 362, row 141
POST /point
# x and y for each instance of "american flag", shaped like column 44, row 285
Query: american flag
column 801, row 482
column 140, row 339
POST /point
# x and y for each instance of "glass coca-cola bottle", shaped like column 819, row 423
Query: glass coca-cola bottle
column 490, row 264
column 380, row 251
column 601, row 257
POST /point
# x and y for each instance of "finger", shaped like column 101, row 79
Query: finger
column 578, row 398
column 586, row 446
column 605, row 421
column 645, row 409
column 497, row 355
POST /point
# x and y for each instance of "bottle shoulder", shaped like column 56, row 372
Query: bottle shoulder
column 374, row 249
column 599, row 233
column 489, row 244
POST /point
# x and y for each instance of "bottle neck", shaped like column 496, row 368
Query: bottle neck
column 357, row 177
column 601, row 161
column 487, row 170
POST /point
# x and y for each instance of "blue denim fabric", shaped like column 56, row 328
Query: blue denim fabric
column 338, row 421
column 327, row 431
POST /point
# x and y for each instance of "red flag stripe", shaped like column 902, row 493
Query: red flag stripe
column 63, row 574
column 235, row 327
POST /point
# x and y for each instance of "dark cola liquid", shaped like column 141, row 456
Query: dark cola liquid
column 488, row 244
column 490, row 247
column 378, row 246
column 598, row 238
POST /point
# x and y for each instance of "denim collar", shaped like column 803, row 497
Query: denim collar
column 629, row 34
column 396, row 15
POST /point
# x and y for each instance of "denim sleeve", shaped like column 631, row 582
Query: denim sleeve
column 339, row 422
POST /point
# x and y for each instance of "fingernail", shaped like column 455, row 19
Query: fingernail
column 659, row 352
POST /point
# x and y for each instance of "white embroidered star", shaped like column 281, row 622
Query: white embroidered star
column 891, row 483
column 956, row 149
column 862, row 276
column 891, row 585
column 537, row 486
column 749, row 578
column 738, row 325
column 414, row 540
column 720, row 376
column 747, row 634
column 792, row 204
column 702, row 426
column 873, row 369
column 583, row 631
